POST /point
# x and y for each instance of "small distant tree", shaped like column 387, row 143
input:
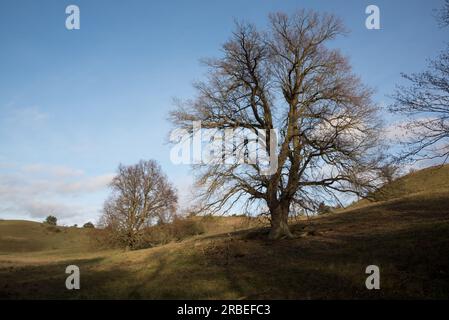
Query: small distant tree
column 324, row 208
column 141, row 196
column 389, row 172
column 88, row 225
column 51, row 220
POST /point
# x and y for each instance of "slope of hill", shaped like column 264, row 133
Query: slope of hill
column 426, row 181
column 406, row 236
column 26, row 237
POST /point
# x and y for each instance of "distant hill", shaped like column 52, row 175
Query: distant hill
column 20, row 236
column 28, row 236
column 430, row 180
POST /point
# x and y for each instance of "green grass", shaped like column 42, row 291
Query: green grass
column 407, row 236
column 26, row 236
column 425, row 181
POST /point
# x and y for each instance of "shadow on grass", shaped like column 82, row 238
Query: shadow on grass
column 48, row 281
column 410, row 247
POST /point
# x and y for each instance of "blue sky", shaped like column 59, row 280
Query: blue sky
column 75, row 104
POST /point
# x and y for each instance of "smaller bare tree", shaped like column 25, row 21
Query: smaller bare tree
column 389, row 172
column 426, row 103
column 443, row 14
column 141, row 195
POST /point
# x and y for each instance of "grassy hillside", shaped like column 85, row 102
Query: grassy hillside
column 26, row 237
column 407, row 236
column 426, row 181
column 422, row 181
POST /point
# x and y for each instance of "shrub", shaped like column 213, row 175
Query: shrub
column 52, row 228
column 88, row 225
column 158, row 234
column 51, row 220
column 324, row 209
column 104, row 238
column 183, row 228
column 163, row 233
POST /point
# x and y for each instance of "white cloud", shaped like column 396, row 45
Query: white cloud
column 28, row 114
column 6, row 165
column 406, row 129
column 185, row 188
column 58, row 171
column 89, row 184
column 39, row 209
column 35, row 191
column 396, row 131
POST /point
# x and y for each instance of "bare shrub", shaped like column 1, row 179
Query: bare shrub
column 177, row 230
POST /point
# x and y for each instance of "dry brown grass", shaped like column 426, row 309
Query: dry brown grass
column 407, row 237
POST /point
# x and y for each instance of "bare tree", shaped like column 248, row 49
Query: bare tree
column 141, row 195
column 426, row 104
column 286, row 79
column 443, row 14
column 389, row 172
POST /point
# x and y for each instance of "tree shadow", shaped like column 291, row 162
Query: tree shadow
column 47, row 281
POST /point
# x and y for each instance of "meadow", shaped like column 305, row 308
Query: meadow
column 405, row 232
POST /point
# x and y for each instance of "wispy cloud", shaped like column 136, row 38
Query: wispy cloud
column 6, row 164
column 36, row 190
column 85, row 185
column 58, row 171
column 26, row 115
column 408, row 128
column 186, row 193
column 396, row 131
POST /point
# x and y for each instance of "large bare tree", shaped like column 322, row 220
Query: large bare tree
column 286, row 78
column 141, row 195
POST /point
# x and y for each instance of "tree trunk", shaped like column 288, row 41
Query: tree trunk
column 279, row 222
column 130, row 241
